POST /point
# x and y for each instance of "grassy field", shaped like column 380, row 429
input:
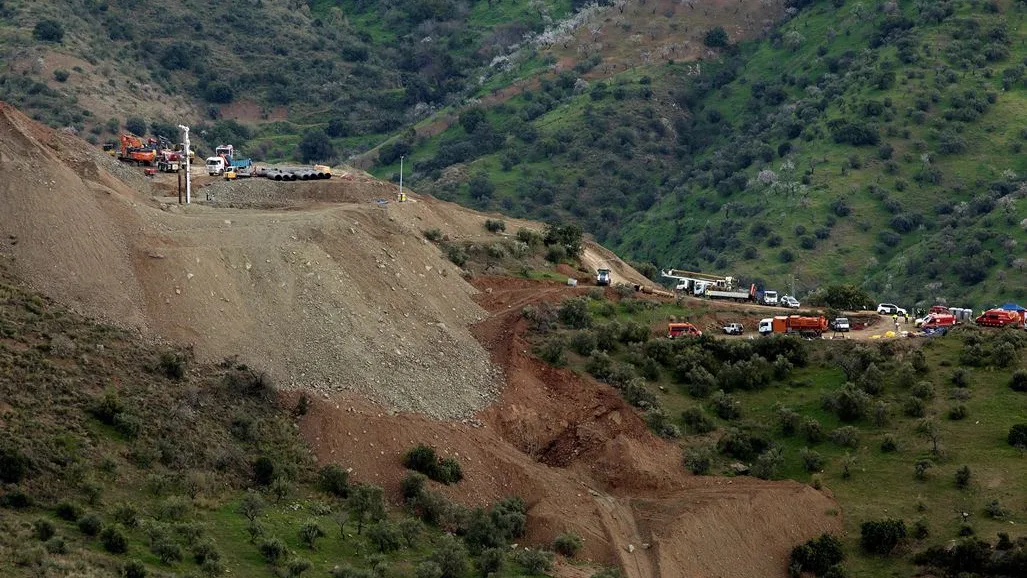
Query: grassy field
column 970, row 369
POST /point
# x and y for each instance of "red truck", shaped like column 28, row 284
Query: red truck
column 999, row 318
column 806, row 326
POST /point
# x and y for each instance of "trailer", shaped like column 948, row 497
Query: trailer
column 741, row 296
column 698, row 283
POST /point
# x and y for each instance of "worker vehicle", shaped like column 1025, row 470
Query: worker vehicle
column 223, row 160
column 999, row 318
column 840, row 324
column 603, row 277
column 134, row 151
column 111, row 149
column 698, row 283
column 733, row 329
column 682, row 330
column 769, row 298
column 890, row 309
column 169, row 161
column 790, row 302
column 936, row 320
column 805, row 326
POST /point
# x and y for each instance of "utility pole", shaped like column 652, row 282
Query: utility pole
column 402, row 197
column 188, row 169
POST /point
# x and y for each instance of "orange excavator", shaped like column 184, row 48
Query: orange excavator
column 134, row 151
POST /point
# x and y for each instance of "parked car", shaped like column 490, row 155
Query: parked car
column 734, row 329
column 936, row 320
column 840, row 324
column 790, row 302
column 998, row 318
column 890, row 309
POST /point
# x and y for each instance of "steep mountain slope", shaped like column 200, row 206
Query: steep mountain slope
column 875, row 145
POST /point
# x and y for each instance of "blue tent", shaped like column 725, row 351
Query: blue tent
column 1012, row 307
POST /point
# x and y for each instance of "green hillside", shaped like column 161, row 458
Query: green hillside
column 351, row 70
column 919, row 431
column 865, row 143
column 122, row 459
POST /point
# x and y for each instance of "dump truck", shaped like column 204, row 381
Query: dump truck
column 603, row 277
column 224, row 161
column 805, row 326
column 749, row 295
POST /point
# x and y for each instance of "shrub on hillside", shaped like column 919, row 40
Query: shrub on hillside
column 696, row 420
column 114, row 540
column 568, row 544
column 716, row 37
column 90, row 524
column 423, row 459
column 1019, row 380
column 726, row 406
column 434, row 234
column 881, row 536
column 495, row 225
column 1018, row 436
column 698, row 460
column 48, row 31
column 817, row 556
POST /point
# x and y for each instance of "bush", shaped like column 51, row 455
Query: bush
column 699, row 460
column 48, row 31
column 881, row 536
column 889, row 444
column 170, row 552
column 133, row 569
column 914, row 407
column 495, row 225
column 310, row 532
column 697, row 421
column 963, row 476
column 846, row 436
column 61, row 75
column 574, row 313
column 768, row 463
column 812, row 431
column 568, row 544
column 90, row 524
column 43, row 529
column 1018, row 436
column 172, row 365
column 273, row 549
column 457, row 255
column 535, row 562
column 490, row 561
column 811, row 460
column 114, row 540
column 996, row 510
column 716, row 37
column 263, row 471
column 1019, row 380
column 68, row 511
column 423, row 459
column 334, row 480
column 850, row 403
column 726, row 406
column 958, row 412
column 818, row 556
column 434, row 234
column 920, row 469
column 386, row 536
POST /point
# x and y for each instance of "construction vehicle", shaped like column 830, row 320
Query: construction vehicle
column 224, row 159
column 134, row 151
column 169, row 161
column 805, row 326
column 713, row 293
column 698, row 283
column 603, row 277
column 111, row 149
column 768, row 298
column 682, row 330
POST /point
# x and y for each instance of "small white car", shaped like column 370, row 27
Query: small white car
column 890, row 309
column 790, row 302
column 840, row 324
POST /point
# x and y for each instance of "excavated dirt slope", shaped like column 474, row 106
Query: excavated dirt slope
column 334, row 292
column 340, row 296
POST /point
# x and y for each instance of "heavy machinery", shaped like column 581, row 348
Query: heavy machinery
column 749, row 295
column 169, row 161
column 805, row 326
column 111, row 149
column 224, row 159
column 603, row 277
column 134, row 151
column 698, row 283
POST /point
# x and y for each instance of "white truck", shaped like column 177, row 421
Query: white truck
column 603, row 277
column 769, row 298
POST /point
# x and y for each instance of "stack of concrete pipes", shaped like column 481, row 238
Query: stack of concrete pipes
column 296, row 174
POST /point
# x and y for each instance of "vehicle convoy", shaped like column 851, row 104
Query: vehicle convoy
column 890, row 309
column 999, row 318
column 682, row 330
column 602, row 277
column 733, row 329
column 805, row 326
column 840, row 324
